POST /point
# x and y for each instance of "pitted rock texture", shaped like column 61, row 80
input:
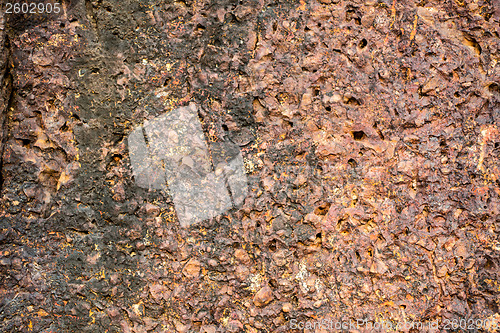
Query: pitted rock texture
column 370, row 137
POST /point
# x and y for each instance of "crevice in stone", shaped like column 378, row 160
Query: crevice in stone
column 91, row 16
column 8, row 90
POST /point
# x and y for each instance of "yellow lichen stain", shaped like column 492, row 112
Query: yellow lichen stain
column 393, row 13
column 414, row 31
column 42, row 313
column 388, row 303
column 249, row 165
column 57, row 39
column 138, row 309
column 63, row 180
column 225, row 318
column 302, row 5
column 381, row 297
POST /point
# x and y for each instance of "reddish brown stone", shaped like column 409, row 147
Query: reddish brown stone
column 263, row 296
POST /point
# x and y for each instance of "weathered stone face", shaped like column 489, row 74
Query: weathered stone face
column 369, row 138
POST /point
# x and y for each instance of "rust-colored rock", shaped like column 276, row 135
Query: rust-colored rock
column 370, row 139
column 263, row 296
column 192, row 268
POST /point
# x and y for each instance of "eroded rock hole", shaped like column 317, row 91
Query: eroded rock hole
column 64, row 127
column 25, row 142
column 358, row 135
column 323, row 209
column 352, row 101
column 353, row 14
column 494, row 88
column 380, row 134
column 362, row 44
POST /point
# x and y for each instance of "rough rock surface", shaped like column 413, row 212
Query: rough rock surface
column 370, row 132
